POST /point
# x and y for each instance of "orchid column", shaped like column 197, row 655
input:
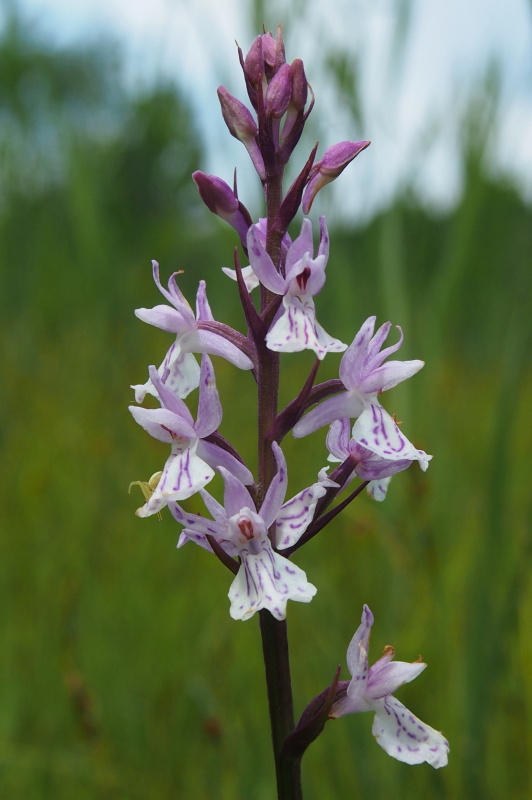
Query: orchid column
column 255, row 531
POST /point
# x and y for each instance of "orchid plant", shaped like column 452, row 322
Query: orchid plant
column 256, row 531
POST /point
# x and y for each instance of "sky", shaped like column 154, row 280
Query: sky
column 414, row 97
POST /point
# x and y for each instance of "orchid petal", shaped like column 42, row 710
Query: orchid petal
column 250, row 279
column 218, row 457
column 267, row 580
column 345, row 404
column 405, row 737
column 376, row 430
column 236, row 496
column 297, row 329
column 203, row 309
column 218, row 345
column 183, row 475
column 196, row 523
column 391, row 676
column 179, row 372
column 389, row 375
column 352, row 363
column 357, row 652
column 165, row 318
column 163, row 424
column 276, row 493
column 262, row 264
column 173, row 294
column 297, row 514
column 338, row 438
column 323, row 248
column 301, row 245
column 167, row 398
column 378, row 488
column 375, row 355
column 209, row 406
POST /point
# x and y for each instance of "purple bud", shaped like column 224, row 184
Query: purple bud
column 269, row 50
column 254, row 63
column 265, row 56
column 299, row 85
column 222, row 201
column 334, row 161
column 242, row 126
column 295, row 118
column 237, row 116
column 279, row 92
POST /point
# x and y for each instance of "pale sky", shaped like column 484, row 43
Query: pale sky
column 412, row 104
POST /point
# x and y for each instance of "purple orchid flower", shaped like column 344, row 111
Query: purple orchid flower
column 364, row 376
column 295, row 327
column 402, row 735
column 180, row 371
column 250, row 279
column 376, row 447
column 192, row 459
column 265, row 579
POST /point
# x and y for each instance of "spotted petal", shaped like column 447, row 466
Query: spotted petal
column 180, row 372
column 296, row 514
column 297, row 329
column 405, row 737
column 376, row 430
column 184, row 474
column 266, row 580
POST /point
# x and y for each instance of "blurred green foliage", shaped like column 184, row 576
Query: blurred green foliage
column 122, row 674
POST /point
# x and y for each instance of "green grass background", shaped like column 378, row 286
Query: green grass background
column 122, row 675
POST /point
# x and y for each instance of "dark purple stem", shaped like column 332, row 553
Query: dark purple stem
column 274, row 632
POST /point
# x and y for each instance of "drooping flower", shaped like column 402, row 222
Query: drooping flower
column 179, row 370
column 364, row 376
column 265, row 579
column 295, row 327
column 192, row 459
column 402, row 735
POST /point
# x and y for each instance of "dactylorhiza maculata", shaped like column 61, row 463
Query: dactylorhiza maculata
column 255, row 531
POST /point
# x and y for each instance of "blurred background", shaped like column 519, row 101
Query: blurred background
column 122, row 673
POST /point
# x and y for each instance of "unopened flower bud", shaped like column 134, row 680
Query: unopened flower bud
column 279, row 92
column 295, row 118
column 334, row 161
column 222, row 201
column 299, row 85
column 269, row 50
column 265, row 56
column 254, row 62
column 237, row 116
column 242, row 126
